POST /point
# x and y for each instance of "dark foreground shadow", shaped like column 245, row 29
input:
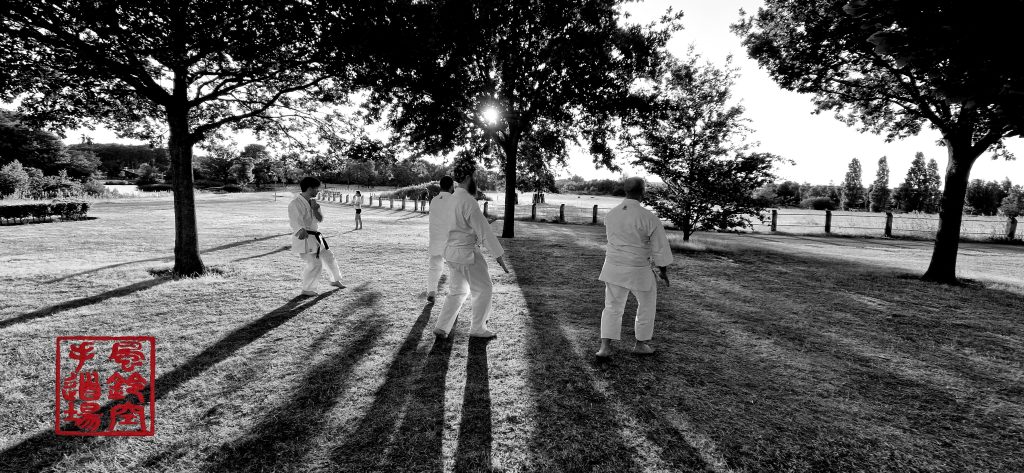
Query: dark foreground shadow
column 403, row 427
column 778, row 361
column 84, row 301
column 474, row 449
column 44, row 449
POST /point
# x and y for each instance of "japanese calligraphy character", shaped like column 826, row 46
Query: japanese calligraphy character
column 127, row 353
column 85, row 419
column 128, row 414
column 135, row 384
column 82, row 352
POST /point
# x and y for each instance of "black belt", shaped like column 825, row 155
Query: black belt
column 320, row 238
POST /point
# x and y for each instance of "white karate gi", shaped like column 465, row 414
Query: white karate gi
column 635, row 237
column 300, row 215
column 440, row 220
column 466, row 265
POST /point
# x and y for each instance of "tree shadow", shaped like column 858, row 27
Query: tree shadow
column 165, row 259
column 279, row 250
column 44, row 449
column 773, row 362
column 569, row 438
column 475, row 436
column 403, row 426
column 84, row 301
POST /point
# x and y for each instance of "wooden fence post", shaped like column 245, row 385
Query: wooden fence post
column 485, row 208
column 828, row 222
column 594, row 221
column 415, row 205
column 561, row 213
column 888, row 224
column 392, row 201
column 533, row 211
column 1011, row 228
column 775, row 220
column 346, row 198
column 403, row 203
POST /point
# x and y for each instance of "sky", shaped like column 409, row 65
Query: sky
column 820, row 146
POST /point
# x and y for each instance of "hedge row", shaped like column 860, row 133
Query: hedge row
column 65, row 210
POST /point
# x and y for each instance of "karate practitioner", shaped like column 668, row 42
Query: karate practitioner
column 440, row 218
column 466, row 265
column 635, row 238
column 304, row 216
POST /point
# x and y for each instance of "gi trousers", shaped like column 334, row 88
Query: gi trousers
column 436, row 266
column 314, row 266
column 472, row 280
column 615, row 304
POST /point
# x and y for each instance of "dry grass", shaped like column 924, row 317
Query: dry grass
column 775, row 354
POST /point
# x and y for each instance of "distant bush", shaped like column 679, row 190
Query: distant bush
column 206, row 184
column 118, row 183
column 13, row 179
column 818, row 203
column 93, row 188
column 66, row 210
column 155, row 187
column 233, row 188
column 414, row 192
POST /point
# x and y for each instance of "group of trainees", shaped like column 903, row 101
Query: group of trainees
column 637, row 256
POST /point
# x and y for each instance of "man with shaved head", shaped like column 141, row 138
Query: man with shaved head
column 636, row 239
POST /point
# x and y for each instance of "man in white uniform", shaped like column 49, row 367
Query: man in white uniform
column 440, row 218
column 635, row 238
column 304, row 216
column 466, row 265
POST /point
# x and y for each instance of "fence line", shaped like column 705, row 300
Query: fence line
column 886, row 224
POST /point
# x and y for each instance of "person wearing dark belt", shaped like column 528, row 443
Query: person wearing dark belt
column 304, row 216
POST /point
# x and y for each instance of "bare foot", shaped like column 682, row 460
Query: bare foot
column 642, row 348
column 605, row 351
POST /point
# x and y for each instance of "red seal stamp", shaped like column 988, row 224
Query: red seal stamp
column 106, row 386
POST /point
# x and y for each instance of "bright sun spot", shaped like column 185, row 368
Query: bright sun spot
column 490, row 115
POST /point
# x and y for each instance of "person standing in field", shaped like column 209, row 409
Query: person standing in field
column 358, row 202
column 467, row 268
column 440, row 219
column 304, row 216
column 636, row 238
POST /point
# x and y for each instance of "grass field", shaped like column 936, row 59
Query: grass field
column 776, row 353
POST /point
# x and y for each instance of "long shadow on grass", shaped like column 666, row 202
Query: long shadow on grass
column 577, row 428
column 82, row 302
column 284, row 434
column 42, row 450
column 749, row 370
column 166, row 258
column 402, row 429
column 474, row 450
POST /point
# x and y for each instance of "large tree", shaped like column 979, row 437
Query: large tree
column 180, row 70
column 694, row 139
column 893, row 66
column 499, row 71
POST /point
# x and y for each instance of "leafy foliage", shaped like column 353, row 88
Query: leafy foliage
column 853, row 187
column 694, row 140
column 880, row 194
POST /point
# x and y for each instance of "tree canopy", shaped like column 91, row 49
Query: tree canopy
column 892, row 66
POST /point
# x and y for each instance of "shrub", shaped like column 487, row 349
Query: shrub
column 13, row 179
column 233, row 188
column 818, row 203
column 65, row 209
column 155, row 187
column 206, row 184
column 94, row 188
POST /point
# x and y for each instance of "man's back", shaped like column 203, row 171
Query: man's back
column 469, row 226
column 439, row 217
column 629, row 228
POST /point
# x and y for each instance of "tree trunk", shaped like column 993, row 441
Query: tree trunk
column 511, row 148
column 942, row 268
column 187, row 262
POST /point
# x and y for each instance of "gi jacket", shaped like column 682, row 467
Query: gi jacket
column 300, row 215
column 440, row 220
column 467, row 228
column 635, row 238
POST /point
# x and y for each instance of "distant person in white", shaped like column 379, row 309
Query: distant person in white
column 358, row 202
column 466, row 265
column 635, row 238
column 304, row 216
column 440, row 219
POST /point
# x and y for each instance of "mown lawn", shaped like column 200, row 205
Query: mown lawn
column 773, row 355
